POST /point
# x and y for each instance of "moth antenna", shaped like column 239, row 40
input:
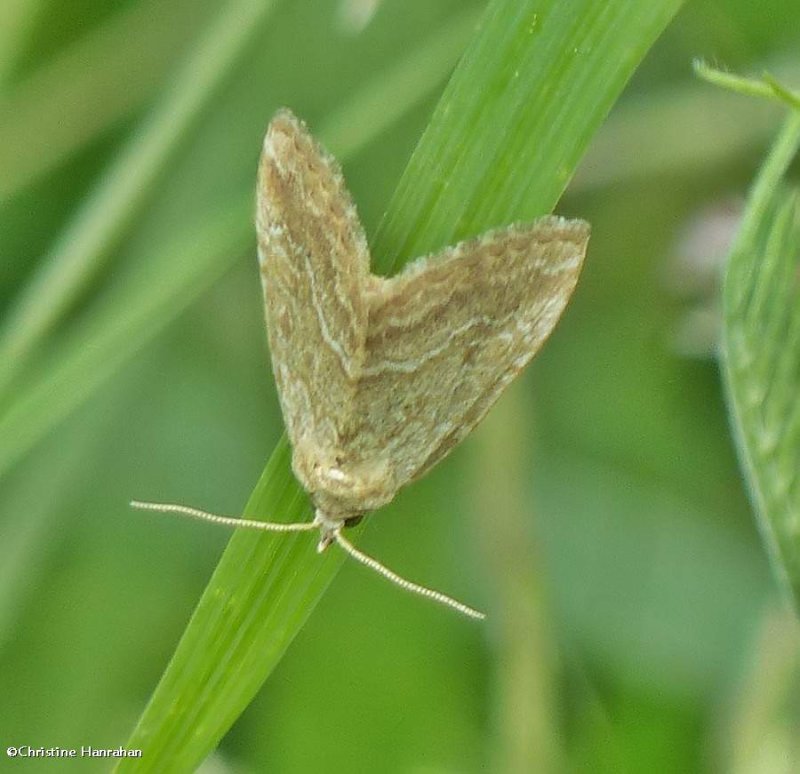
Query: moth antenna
column 336, row 533
column 228, row 521
column 403, row 583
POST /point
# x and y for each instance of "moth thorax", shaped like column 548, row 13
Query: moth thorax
column 340, row 487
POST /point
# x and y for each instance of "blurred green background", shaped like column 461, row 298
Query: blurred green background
column 598, row 513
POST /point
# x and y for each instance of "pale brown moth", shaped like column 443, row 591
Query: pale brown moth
column 379, row 378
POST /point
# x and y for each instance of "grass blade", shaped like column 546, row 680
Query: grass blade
column 46, row 118
column 120, row 326
column 16, row 19
column 761, row 355
column 100, row 223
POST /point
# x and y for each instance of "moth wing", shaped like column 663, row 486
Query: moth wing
column 447, row 335
column 314, row 264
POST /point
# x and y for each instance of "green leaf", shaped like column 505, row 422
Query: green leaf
column 101, row 222
column 119, row 326
column 761, row 355
column 53, row 98
column 534, row 85
column 767, row 86
column 16, row 19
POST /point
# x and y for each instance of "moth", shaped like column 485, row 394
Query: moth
column 380, row 378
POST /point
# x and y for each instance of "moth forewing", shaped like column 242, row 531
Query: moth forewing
column 314, row 263
column 448, row 334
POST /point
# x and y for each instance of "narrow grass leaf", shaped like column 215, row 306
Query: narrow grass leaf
column 87, row 243
column 761, row 356
column 126, row 320
column 17, row 17
column 75, row 96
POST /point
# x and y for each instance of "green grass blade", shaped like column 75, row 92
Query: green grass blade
column 534, row 85
column 123, row 323
column 16, row 19
column 703, row 145
column 108, row 211
column 368, row 112
column 761, row 356
column 514, row 150
column 767, row 86
column 525, row 655
column 64, row 105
